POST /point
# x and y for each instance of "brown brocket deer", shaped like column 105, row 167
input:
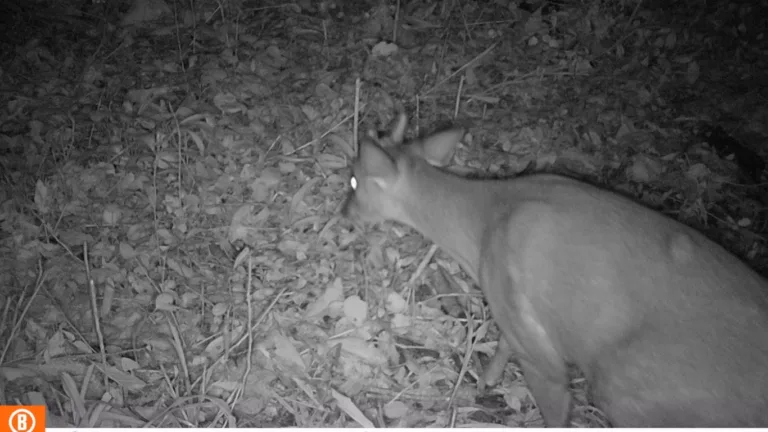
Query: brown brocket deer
column 669, row 328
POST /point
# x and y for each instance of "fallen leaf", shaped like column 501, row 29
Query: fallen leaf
column 351, row 409
column 334, row 292
column 355, row 309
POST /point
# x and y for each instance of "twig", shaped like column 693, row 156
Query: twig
column 396, row 23
column 42, row 275
column 626, row 31
column 323, row 135
column 96, row 315
column 357, row 115
column 458, row 98
column 466, row 65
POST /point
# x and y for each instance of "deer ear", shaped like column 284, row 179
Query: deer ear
column 375, row 163
column 438, row 149
column 398, row 131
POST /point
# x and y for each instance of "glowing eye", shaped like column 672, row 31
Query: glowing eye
column 353, row 183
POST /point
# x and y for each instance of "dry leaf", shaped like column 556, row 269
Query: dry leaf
column 362, row 349
column 42, row 198
column 288, row 353
column 355, row 309
column 351, row 409
column 334, row 292
column 395, row 409
column 395, row 303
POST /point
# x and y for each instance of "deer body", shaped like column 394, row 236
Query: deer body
column 670, row 329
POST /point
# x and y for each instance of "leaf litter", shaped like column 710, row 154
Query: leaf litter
column 172, row 253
